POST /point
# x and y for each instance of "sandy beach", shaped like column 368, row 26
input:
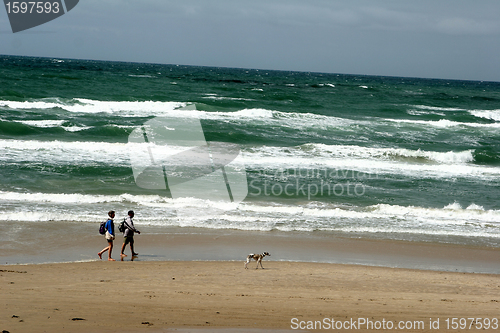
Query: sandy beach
column 134, row 296
column 193, row 280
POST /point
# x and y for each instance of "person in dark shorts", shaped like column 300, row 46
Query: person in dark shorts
column 128, row 235
column 110, row 235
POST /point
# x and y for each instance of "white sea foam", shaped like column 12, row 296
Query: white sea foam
column 251, row 113
column 415, row 112
column 26, row 216
column 64, row 153
column 30, row 105
column 350, row 151
column 375, row 167
column 450, row 214
column 453, row 206
column 364, row 159
column 174, row 109
column 487, row 114
column 293, row 120
column 77, row 198
column 142, row 76
column 444, row 123
column 473, row 206
column 42, row 123
column 373, row 161
column 132, row 108
column 76, row 128
column 452, row 220
column 223, row 98
column 436, row 108
column 82, row 105
column 53, row 123
column 278, row 118
column 413, row 163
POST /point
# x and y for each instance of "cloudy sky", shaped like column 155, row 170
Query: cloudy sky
column 452, row 39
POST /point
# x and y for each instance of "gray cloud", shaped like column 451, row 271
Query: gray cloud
column 466, row 26
column 446, row 38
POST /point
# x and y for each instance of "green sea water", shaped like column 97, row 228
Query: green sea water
column 359, row 156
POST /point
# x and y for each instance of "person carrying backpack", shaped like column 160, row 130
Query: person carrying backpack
column 130, row 230
column 110, row 235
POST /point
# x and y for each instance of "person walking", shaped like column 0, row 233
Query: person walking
column 110, row 235
column 130, row 230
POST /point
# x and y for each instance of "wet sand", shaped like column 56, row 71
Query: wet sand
column 81, row 242
column 134, row 296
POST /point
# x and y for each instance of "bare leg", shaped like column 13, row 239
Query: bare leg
column 110, row 249
column 103, row 250
column 123, row 249
column 132, row 249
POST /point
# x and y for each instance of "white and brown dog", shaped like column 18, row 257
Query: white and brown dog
column 256, row 257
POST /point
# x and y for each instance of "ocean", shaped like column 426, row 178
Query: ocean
column 371, row 157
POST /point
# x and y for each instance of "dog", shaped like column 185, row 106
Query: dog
column 256, row 257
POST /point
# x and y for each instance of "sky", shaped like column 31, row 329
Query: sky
column 447, row 39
